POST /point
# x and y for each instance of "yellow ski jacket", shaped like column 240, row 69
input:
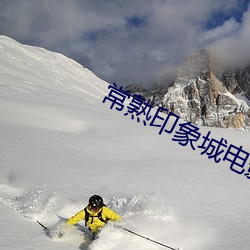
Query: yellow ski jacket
column 94, row 223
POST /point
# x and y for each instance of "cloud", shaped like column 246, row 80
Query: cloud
column 124, row 41
column 232, row 50
column 228, row 28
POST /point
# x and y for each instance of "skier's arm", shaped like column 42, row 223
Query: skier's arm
column 77, row 217
column 110, row 214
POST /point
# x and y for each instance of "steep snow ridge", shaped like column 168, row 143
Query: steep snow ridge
column 22, row 67
column 35, row 74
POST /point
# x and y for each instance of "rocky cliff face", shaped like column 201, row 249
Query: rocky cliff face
column 203, row 97
column 237, row 81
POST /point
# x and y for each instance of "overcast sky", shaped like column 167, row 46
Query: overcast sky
column 131, row 41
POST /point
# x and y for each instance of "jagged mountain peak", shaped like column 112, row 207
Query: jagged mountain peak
column 201, row 96
column 196, row 64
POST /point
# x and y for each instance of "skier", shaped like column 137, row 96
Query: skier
column 95, row 214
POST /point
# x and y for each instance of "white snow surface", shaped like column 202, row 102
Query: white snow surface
column 60, row 144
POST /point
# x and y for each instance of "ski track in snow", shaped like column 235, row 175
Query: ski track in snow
column 145, row 214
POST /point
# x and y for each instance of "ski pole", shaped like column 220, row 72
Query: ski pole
column 146, row 238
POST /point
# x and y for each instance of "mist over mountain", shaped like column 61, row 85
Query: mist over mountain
column 205, row 92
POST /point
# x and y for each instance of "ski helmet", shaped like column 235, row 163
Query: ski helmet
column 95, row 202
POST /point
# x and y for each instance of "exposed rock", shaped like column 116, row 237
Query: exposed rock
column 203, row 97
column 237, row 81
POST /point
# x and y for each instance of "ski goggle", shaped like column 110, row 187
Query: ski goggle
column 94, row 208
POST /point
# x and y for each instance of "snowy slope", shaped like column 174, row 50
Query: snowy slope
column 59, row 144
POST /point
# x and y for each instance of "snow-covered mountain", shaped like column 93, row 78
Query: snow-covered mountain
column 204, row 96
column 59, row 144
